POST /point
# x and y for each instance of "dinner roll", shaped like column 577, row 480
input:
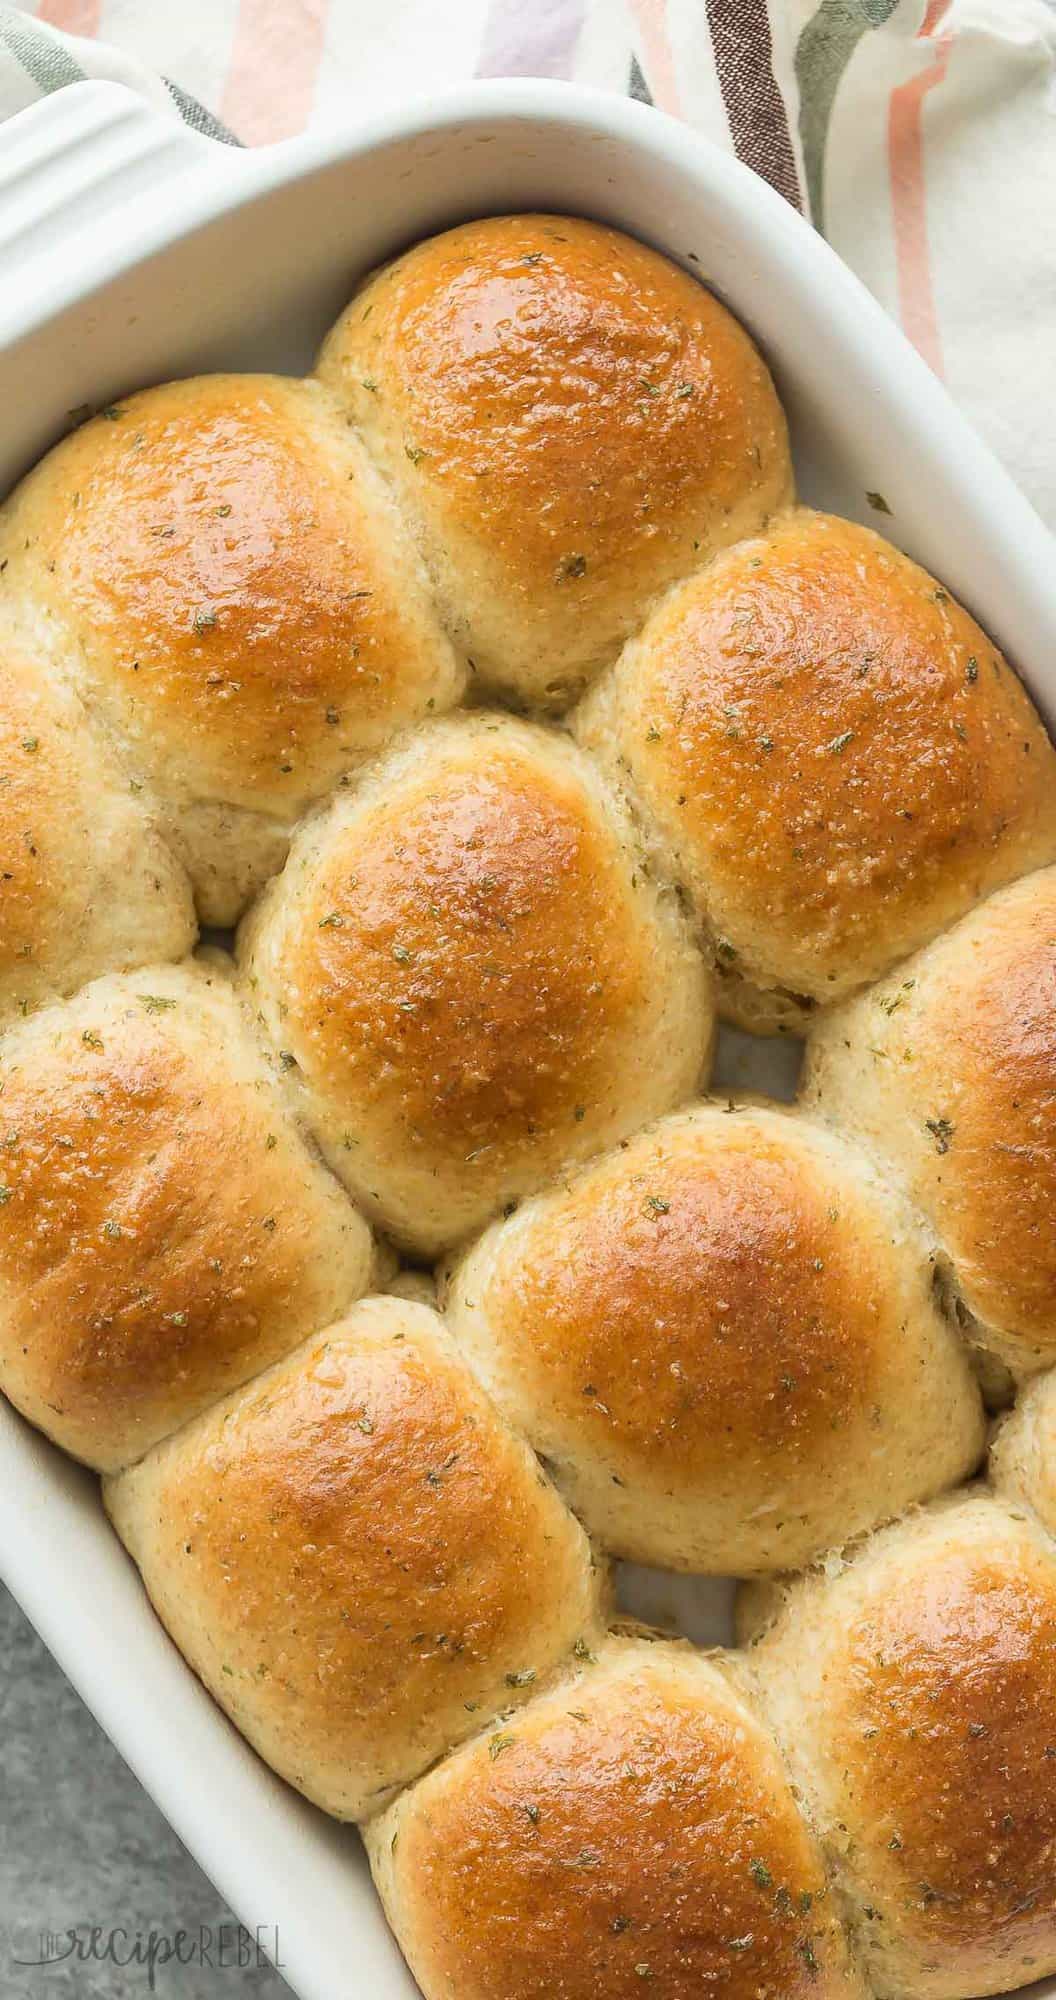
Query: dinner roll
column 86, row 884
column 724, row 1339
column 409, row 1282
column 948, row 1070
column 472, row 977
column 831, row 757
column 217, row 567
column 357, row 1557
column 914, row 1689
column 1023, row 1453
column 570, row 422
column 632, row 1831
column 164, row 1231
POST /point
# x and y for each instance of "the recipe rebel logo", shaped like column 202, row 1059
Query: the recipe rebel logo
column 227, row 1947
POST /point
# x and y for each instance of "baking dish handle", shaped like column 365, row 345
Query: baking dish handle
column 78, row 155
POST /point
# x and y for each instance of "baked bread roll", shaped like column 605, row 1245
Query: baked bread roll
column 409, row 1282
column 632, row 1831
column 830, row 756
column 164, row 1231
column 218, row 569
column 724, row 1340
column 1023, row 1452
column 914, row 1691
column 472, row 977
column 948, row 1071
column 569, row 421
column 358, row 1558
column 86, row 884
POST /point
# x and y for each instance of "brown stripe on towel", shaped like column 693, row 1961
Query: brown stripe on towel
column 755, row 108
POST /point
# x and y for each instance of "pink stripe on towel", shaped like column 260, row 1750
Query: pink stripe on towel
column 275, row 60
column 77, row 17
column 909, row 195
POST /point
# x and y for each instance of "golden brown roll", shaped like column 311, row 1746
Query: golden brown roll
column 358, row 1558
column 217, row 567
column 632, row 1831
column 570, row 422
column 472, row 977
column 831, row 757
column 723, row 1338
column 1023, row 1452
column 914, row 1689
column 86, row 884
column 948, row 1071
column 164, row 1231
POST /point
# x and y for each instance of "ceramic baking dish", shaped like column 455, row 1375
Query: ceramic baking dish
column 132, row 250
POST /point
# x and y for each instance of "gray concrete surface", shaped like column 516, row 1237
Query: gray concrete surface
column 83, row 1848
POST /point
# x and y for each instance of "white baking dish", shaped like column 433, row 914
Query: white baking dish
column 132, row 250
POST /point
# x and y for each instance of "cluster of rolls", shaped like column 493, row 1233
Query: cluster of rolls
column 494, row 685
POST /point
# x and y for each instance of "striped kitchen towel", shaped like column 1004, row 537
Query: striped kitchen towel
column 919, row 135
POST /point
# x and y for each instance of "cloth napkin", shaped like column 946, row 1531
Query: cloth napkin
column 918, row 135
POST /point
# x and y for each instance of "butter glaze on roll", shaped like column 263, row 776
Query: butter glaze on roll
column 723, row 1338
column 164, row 1231
column 218, row 569
column 948, row 1072
column 631, row 1831
column 571, row 423
column 86, row 884
column 831, row 757
column 358, row 1558
column 914, row 1690
column 472, row 977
